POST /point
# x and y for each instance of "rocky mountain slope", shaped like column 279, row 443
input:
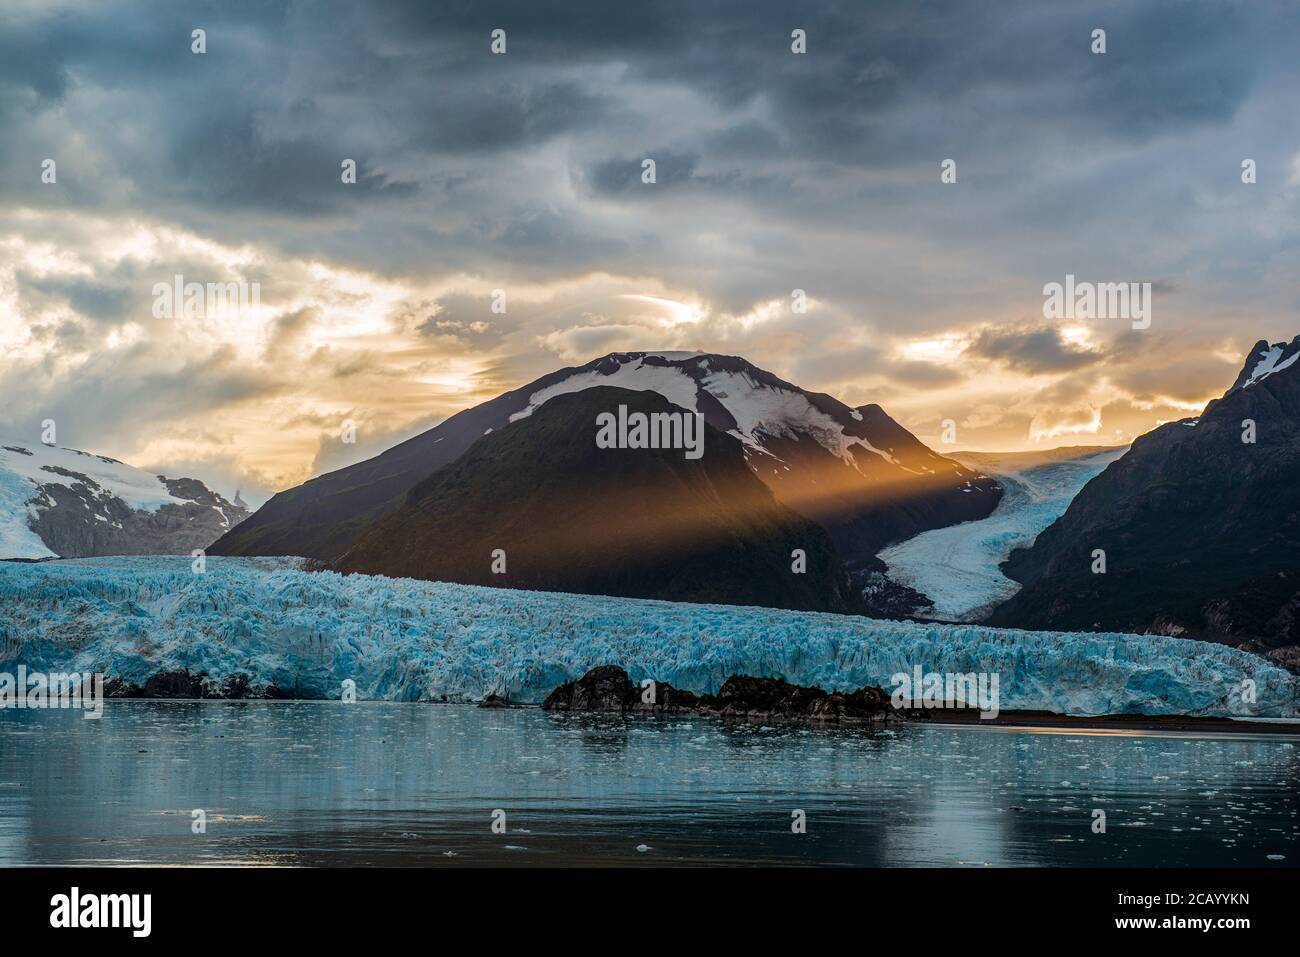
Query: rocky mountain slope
column 569, row 516
column 62, row 502
column 866, row 479
column 1200, row 527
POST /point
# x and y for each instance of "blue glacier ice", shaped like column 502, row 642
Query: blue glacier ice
column 406, row 640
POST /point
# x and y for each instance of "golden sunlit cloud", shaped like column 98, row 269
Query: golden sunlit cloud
column 676, row 313
column 257, row 393
column 1040, row 429
column 944, row 349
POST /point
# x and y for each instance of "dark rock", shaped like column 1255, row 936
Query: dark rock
column 236, row 687
column 743, row 696
column 174, row 684
column 882, row 597
column 608, row 689
column 494, row 701
column 183, row 684
column 603, row 688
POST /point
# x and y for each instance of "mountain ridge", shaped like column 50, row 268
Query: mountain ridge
column 57, row 502
column 563, row 514
column 1200, row 529
column 855, row 471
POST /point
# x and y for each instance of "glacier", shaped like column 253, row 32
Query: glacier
column 956, row 567
column 406, row 640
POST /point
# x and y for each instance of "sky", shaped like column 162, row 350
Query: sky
column 775, row 171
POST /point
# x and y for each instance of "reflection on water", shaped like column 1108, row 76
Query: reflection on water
column 326, row 783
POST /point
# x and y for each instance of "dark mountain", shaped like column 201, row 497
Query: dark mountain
column 644, row 523
column 859, row 473
column 1201, row 530
column 72, row 504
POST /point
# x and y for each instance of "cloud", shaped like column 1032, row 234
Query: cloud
column 623, row 176
column 775, row 172
column 1032, row 350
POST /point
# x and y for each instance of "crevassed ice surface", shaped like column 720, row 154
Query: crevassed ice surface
column 407, row 640
column 957, row 567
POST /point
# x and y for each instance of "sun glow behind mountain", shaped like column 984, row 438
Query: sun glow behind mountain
column 378, row 300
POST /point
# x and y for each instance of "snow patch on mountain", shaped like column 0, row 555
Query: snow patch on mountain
column 669, row 381
column 1270, row 361
column 406, row 640
column 957, row 567
column 47, row 465
column 758, row 408
column 24, row 469
column 761, row 409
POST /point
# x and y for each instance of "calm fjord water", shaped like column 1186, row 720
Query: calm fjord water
column 375, row 783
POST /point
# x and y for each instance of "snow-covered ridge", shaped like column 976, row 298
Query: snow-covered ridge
column 1267, row 359
column 62, row 501
column 25, row 468
column 669, row 381
column 758, row 408
column 45, row 465
column 406, row 640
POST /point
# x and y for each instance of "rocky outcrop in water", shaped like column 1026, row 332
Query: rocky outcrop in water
column 608, row 689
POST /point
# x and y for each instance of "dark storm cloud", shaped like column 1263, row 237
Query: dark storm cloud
column 499, row 115
column 90, row 298
column 422, row 69
column 1032, row 351
column 622, row 175
column 226, row 161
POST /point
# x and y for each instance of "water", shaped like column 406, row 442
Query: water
column 324, row 783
